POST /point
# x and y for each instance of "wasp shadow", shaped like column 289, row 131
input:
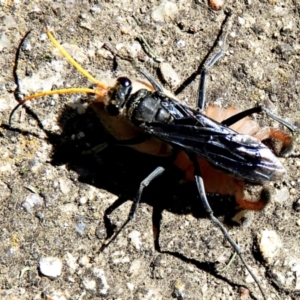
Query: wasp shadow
column 120, row 170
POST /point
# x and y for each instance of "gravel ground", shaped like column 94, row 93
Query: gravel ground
column 53, row 197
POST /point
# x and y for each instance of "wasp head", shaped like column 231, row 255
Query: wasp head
column 118, row 95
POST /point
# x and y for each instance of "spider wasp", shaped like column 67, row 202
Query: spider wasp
column 218, row 149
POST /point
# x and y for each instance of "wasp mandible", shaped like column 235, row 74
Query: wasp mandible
column 219, row 149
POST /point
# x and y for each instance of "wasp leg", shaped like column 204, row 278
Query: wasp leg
column 258, row 109
column 17, row 92
column 201, row 97
column 264, row 200
column 280, row 120
column 271, row 136
column 145, row 73
column 109, row 226
column 200, row 186
column 96, row 149
column 157, row 172
column 134, row 141
column 149, row 77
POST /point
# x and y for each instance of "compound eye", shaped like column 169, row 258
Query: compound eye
column 124, row 81
column 112, row 109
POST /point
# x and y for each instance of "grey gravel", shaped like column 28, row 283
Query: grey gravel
column 261, row 65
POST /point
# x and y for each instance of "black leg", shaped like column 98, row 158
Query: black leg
column 157, row 172
column 149, row 77
column 201, row 189
column 96, row 149
column 113, row 142
column 146, row 74
column 202, row 85
column 258, row 109
column 17, row 92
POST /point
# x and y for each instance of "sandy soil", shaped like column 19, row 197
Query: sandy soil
column 42, row 160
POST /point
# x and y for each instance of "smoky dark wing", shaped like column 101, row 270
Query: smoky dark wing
column 238, row 155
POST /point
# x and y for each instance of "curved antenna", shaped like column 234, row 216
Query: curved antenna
column 101, row 90
column 71, row 60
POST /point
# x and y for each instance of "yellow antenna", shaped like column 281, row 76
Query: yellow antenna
column 101, row 90
column 73, row 62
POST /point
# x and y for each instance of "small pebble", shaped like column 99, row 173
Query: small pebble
column 244, row 293
column 84, row 261
column 180, row 43
column 241, row 21
column 65, row 186
column 125, row 30
column 43, row 37
column 80, row 227
column 216, row 4
column 27, row 46
column 31, row 201
column 178, row 290
column 103, row 280
column 130, row 286
column 135, row 239
column 269, row 245
column 95, row 9
column 165, row 11
column 134, row 48
column 86, row 25
column 293, row 191
column 50, row 266
column 244, row 218
column 89, row 284
column 71, row 262
column 169, row 75
column 288, row 27
column 134, row 268
column 282, row 195
column 105, row 53
column 82, row 200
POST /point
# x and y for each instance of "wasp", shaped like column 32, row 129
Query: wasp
column 219, row 149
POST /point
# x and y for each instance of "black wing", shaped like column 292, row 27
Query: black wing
column 241, row 156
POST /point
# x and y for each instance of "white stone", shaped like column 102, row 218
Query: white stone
column 169, row 74
column 31, row 201
column 135, row 239
column 269, row 245
column 165, row 11
column 50, row 266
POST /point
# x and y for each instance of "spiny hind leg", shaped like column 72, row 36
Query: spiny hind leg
column 279, row 141
column 157, row 172
column 246, row 207
column 261, row 203
column 217, row 223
